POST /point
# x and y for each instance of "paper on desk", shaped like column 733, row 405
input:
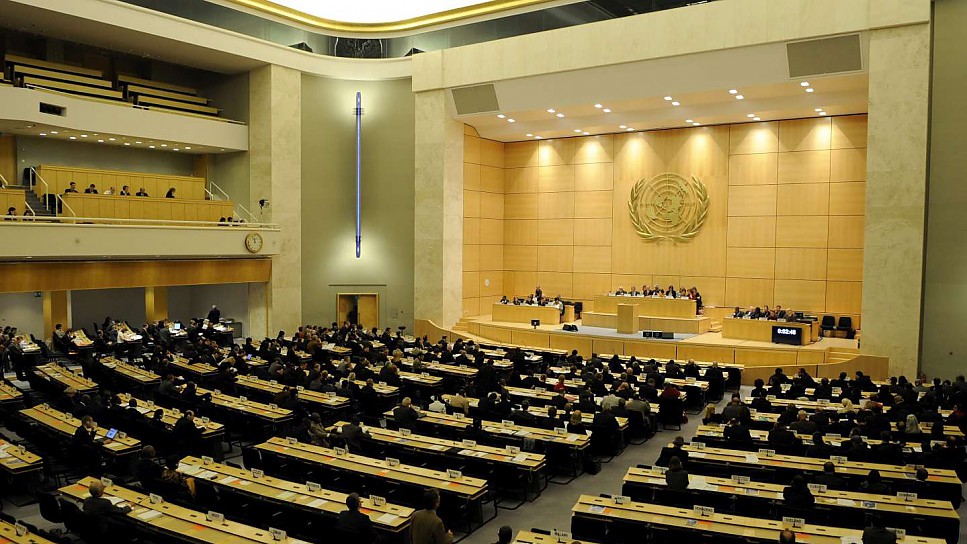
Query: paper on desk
column 595, row 509
column 227, row 480
column 149, row 514
column 751, row 458
column 387, row 518
column 845, row 502
column 520, row 458
column 206, row 474
column 697, row 454
column 115, row 500
column 317, row 503
column 697, row 482
column 190, row 470
column 850, row 540
column 573, row 437
column 3, row 454
column 285, row 495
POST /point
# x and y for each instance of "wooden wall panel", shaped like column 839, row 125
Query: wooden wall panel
column 491, row 231
column 803, row 199
column 521, row 180
column 471, row 287
column 555, row 232
column 471, row 203
column 491, row 154
column 594, row 177
column 471, row 177
column 754, row 138
column 845, row 297
column 803, row 167
column 752, row 232
column 491, row 179
column 555, row 258
column 847, row 165
column 846, row 231
column 758, row 262
column 585, row 285
column 804, row 134
column 8, row 160
column 594, row 149
column 845, row 264
column 592, row 259
column 848, row 131
column 520, row 206
column 745, row 292
column 520, row 257
column 552, row 179
column 804, row 231
column 593, row 204
column 555, row 205
column 801, row 263
column 746, row 200
column 556, row 283
column 847, row 198
column 521, row 232
column 757, row 169
column 491, row 257
column 518, row 154
column 471, row 257
column 471, row 149
column 592, row 232
column 801, row 294
column 491, row 206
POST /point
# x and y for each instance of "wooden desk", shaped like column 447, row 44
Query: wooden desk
column 133, row 89
column 15, row 462
column 65, row 378
column 10, row 395
column 531, row 462
column 314, row 399
column 696, row 324
column 525, row 313
column 647, row 306
column 384, row 391
column 60, row 424
column 138, row 375
column 208, row 430
column 760, row 330
column 148, row 100
column 388, row 517
column 527, row 537
column 198, row 370
column 247, row 407
column 20, row 69
column 463, row 372
column 647, row 483
column 541, row 412
column 421, row 380
column 128, row 79
column 142, row 207
column 464, row 487
column 176, row 522
column 8, row 533
column 69, row 68
column 686, row 521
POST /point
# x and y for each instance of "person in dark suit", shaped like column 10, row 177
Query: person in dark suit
column 148, row 470
column 352, row 434
column 97, row 505
column 781, row 436
column 676, row 477
column 92, row 190
column 353, row 525
column 829, row 477
column 84, row 435
column 737, row 432
column 170, row 193
column 797, row 494
column 426, row 526
column 214, row 314
column 141, row 192
column 820, row 449
column 405, row 415
column 71, row 189
column 877, row 533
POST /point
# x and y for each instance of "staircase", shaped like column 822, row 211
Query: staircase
column 462, row 325
column 32, row 200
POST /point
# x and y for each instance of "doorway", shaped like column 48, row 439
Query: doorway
column 358, row 308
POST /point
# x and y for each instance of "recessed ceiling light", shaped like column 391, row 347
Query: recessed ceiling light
column 622, row 126
column 586, row 133
column 560, row 115
column 668, row 98
column 186, row 147
column 818, row 109
column 696, row 124
column 164, row 145
column 750, row 115
column 83, row 135
column 756, row 119
column 689, row 121
column 629, row 129
column 550, row 110
column 578, row 130
column 111, row 139
column 804, row 84
column 53, row 132
column 538, row 137
column 176, row 149
column 822, row 114
column 126, row 143
column 100, row 141
column 676, row 103
column 511, row 121
column 599, row 106
column 733, row 91
column 809, row 89
column 137, row 142
column 73, row 137
column 500, row 116
column 739, row 97
column 607, row 110
column 151, row 146
column 529, row 135
column 43, row 133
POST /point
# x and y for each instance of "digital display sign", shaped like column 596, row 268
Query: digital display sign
column 786, row 335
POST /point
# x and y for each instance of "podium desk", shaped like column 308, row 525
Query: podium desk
column 524, row 313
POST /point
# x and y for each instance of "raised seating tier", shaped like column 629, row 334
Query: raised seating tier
column 14, row 198
column 58, row 179
column 132, row 207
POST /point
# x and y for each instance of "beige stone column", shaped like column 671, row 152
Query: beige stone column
column 899, row 67
column 275, row 159
column 438, row 277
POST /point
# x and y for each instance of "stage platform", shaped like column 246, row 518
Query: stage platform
column 827, row 357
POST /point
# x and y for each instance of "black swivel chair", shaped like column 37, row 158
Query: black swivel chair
column 846, row 325
column 827, row 324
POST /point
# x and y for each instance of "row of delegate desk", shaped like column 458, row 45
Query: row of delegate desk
column 842, row 508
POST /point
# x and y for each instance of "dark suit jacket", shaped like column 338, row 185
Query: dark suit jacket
column 677, row 480
column 405, row 416
column 96, row 506
column 355, row 525
column 875, row 535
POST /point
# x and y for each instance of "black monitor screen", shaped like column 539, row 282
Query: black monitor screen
column 786, row 335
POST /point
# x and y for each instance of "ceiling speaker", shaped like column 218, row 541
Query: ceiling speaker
column 475, row 99
column 824, row 56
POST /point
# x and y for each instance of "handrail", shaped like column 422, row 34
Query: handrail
column 3, row 182
column 251, row 216
column 36, row 176
column 108, row 221
column 63, row 205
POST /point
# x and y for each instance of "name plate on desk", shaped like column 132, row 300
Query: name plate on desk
column 562, row 536
column 277, row 534
column 68, row 416
column 392, row 462
column 242, row 399
column 900, row 533
column 313, row 486
column 704, row 511
column 459, row 415
column 292, row 440
column 690, row 379
column 621, row 499
column 507, row 423
column 217, row 391
column 424, row 375
column 340, row 451
column 107, row 482
column 330, row 394
column 256, row 473
column 560, row 430
column 823, row 402
column 770, row 398
column 513, row 450
column 767, row 453
column 469, row 443
column 908, row 497
column 20, row 529
column 454, row 474
column 155, row 498
column 817, row 488
column 383, row 384
column 273, row 382
column 300, row 388
column 795, row 523
column 206, row 460
column 699, row 445
column 217, row 517
column 660, row 470
column 834, row 436
column 740, row 479
column 838, row 459
column 405, row 432
column 273, row 406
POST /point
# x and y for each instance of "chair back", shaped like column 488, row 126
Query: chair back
column 828, row 322
column 845, row 322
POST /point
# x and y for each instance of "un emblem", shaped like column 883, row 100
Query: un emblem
column 668, row 207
